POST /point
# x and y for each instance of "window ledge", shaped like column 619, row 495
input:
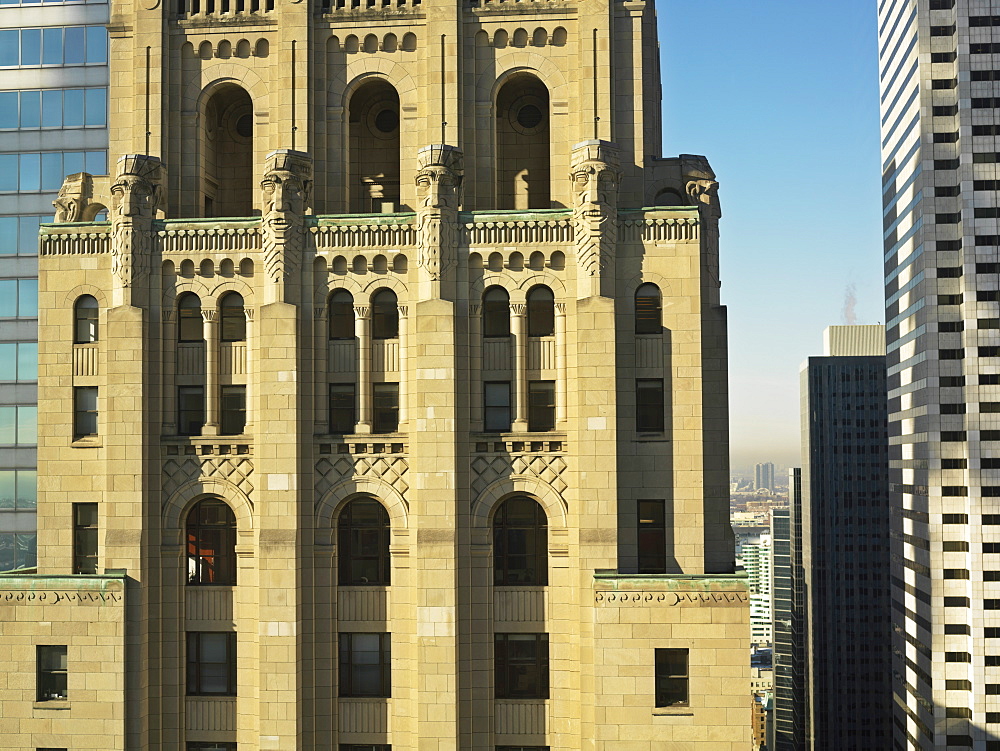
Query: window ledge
column 51, row 704
column 88, row 442
column 678, row 712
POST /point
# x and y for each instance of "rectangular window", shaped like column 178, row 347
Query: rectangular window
column 18, row 551
column 541, row 406
column 984, row 48
column 190, row 410
column 945, row 137
column 84, row 411
column 51, row 664
column 672, row 681
column 942, row 31
column 649, row 405
column 521, row 666
column 385, row 415
column 33, row 172
column 946, row 164
column 955, row 519
column 652, row 536
column 951, row 326
column 19, row 362
column 18, row 489
column 233, row 420
column 19, row 234
column 953, row 218
column 18, row 426
column 365, row 661
column 944, row 83
column 948, row 110
column 342, row 415
column 18, row 298
column 496, row 407
column 949, row 299
column 211, row 663
column 84, row 538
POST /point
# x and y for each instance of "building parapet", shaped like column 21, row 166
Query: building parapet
column 717, row 590
column 18, row 589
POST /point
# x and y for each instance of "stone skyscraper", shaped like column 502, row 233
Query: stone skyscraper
column 388, row 409
column 940, row 123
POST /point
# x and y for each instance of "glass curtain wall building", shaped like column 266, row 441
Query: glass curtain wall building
column 53, row 122
column 940, row 117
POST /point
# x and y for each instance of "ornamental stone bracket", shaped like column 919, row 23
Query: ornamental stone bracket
column 285, row 192
column 81, row 198
column 439, row 184
column 135, row 197
column 596, row 175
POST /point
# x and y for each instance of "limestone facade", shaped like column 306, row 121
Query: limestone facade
column 396, row 256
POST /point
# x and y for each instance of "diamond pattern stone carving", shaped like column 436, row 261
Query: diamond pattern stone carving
column 389, row 469
column 179, row 471
column 550, row 469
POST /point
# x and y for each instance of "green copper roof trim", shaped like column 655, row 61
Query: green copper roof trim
column 508, row 215
column 401, row 217
column 645, row 209
column 613, row 577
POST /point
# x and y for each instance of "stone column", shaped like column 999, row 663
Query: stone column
column 251, row 363
column 211, row 334
column 403, row 378
column 519, row 329
column 561, row 375
column 476, row 365
column 321, row 363
column 362, row 330
column 168, row 347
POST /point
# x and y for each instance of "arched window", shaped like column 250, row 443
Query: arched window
column 648, row 309
column 189, row 325
column 341, row 315
column 85, row 316
column 520, row 543
column 233, row 318
column 385, row 315
column 363, row 543
column 227, row 166
column 211, row 543
column 522, row 144
column 496, row 312
column 373, row 130
column 541, row 312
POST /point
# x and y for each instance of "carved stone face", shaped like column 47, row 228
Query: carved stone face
column 133, row 197
column 283, row 192
column 594, row 187
column 437, row 187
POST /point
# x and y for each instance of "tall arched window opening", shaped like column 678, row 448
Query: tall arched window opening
column 211, row 543
column 374, row 147
column 541, row 311
column 233, row 318
column 363, row 544
column 522, row 149
column 385, row 315
column 340, row 312
column 85, row 320
column 520, row 543
column 189, row 321
column 648, row 310
column 227, row 173
column 496, row 312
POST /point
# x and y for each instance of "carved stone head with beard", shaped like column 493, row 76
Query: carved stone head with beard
column 439, row 182
column 595, row 174
column 135, row 196
column 285, row 192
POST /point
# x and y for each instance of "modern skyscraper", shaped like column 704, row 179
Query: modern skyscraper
column 940, row 120
column 371, row 401
column 763, row 476
column 845, row 542
column 53, row 121
column 757, row 562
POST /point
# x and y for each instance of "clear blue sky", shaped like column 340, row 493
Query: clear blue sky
column 782, row 96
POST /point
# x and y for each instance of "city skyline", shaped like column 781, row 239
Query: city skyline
column 816, row 117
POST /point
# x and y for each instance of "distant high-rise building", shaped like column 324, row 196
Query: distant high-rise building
column 845, row 542
column 763, row 476
column 53, row 121
column 940, row 119
column 757, row 562
column 789, row 619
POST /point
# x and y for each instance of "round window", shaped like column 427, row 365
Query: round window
column 387, row 121
column 529, row 116
column 244, row 126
